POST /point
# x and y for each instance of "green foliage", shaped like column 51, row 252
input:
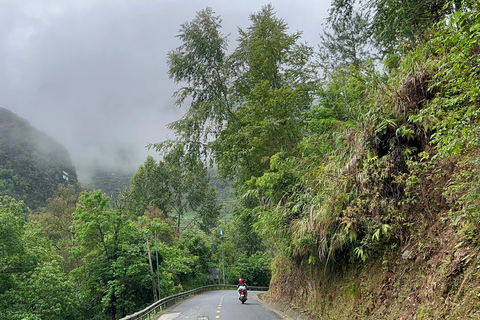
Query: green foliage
column 350, row 42
column 325, row 176
column 463, row 194
column 201, row 63
column 45, row 293
column 198, row 246
column 201, row 248
column 115, row 278
column 56, row 220
column 242, row 104
column 397, row 25
column 363, row 165
column 176, row 187
column 12, row 248
column 51, row 295
column 244, row 235
column 268, row 124
column 246, row 108
column 383, row 129
column 148, row 186
column 456, row 104
column 255, row 269
column 301, row 194
column 111, row 182
column 453, row 114
column 275, row 82
column 177, row 268
column 224, row 191
column 405, row 22
column 32, row 282
column 114, row 273
column 267, row 53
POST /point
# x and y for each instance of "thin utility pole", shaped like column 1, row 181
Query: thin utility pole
column 158, row 271
column 223, row 257
column 155, row 297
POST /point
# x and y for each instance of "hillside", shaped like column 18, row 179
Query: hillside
column 392, row 229
column 32, row 164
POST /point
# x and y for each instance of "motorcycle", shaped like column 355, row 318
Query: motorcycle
column 242, row 294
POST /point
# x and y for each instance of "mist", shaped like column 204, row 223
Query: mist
column 92, row 74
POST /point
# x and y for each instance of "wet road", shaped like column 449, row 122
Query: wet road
column 220, row 304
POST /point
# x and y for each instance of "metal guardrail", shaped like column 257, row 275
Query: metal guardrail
column 160, row 304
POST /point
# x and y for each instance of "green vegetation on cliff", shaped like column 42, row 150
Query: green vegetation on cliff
column 385, row 223
column 31, row 163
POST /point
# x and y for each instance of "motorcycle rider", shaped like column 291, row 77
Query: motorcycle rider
column 241, row 283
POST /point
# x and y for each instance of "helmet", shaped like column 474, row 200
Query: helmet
column 240, row 280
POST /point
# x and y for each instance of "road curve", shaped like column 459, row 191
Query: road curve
column 219, row 304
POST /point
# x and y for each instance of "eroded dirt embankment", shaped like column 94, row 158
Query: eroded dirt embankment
column 434, row 275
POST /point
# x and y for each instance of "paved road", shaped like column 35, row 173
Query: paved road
column 220, row 304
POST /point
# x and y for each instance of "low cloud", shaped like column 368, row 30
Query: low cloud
column 93, row 74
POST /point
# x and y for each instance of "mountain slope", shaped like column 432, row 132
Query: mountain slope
column 32, row 164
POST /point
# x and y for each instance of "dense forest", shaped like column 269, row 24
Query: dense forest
column 111, row 182
column 353, row 167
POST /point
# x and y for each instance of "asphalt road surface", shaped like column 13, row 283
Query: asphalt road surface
column 220, row 304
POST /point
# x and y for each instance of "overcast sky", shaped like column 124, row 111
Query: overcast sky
column 92, row 73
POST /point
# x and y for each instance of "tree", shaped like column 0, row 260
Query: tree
column 56, row 221
column 148, row 186
column 255, row 269
column 250, row 100
column 32, row 282
column 190, row 189
column 48, row 293
column 199, row 247
column 405, row 21
column 176, row 187
column 397, row 23
column 268, row 124
column 12, row 249
column 201, row 64
column 266, row 52
column 350, row 42
column 115, row 274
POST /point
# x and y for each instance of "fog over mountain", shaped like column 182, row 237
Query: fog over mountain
column 92, row 73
